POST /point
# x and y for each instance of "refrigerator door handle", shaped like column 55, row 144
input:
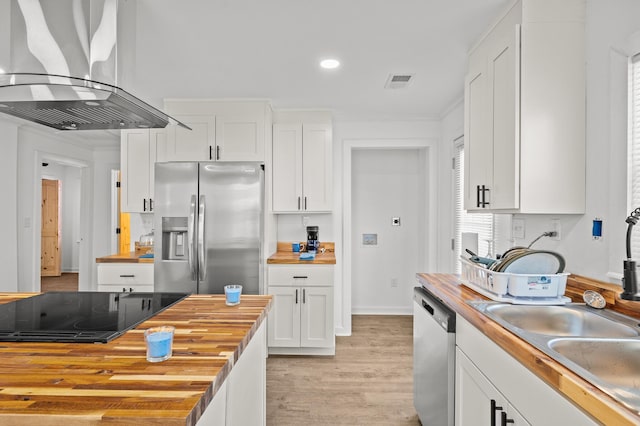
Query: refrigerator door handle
column 202, row 250
column 191, row 232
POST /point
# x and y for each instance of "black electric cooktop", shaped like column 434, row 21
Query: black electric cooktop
column 83, row 317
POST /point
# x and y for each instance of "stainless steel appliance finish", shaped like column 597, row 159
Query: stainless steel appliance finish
column 434, row 346
column 208, row 225
column 68, row 58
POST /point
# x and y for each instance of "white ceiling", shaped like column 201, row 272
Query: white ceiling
column 270, row 49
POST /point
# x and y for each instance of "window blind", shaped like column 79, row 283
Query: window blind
column 480, row 223
column 634, row 142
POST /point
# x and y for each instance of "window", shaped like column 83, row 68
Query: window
column 634, row 143
column 480, row 223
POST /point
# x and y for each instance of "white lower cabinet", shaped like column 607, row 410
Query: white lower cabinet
column 493, row 388
column 301, row 320
column 480, row 403
column 241, row 399
column 125, row 277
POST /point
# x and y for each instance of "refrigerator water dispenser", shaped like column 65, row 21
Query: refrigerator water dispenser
column 174, row 238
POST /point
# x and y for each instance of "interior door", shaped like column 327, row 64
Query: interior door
column 50, row 259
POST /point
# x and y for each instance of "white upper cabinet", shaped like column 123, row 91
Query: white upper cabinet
column 302, row 167
column 221, row 130
column 196, row 144
column 139, row 151
column 525, row 112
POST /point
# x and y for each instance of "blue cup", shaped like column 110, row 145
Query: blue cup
column 159, row 341
column 232, row 294
column 295, row 247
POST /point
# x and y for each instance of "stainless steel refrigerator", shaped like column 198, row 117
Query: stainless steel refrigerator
column 208, row 226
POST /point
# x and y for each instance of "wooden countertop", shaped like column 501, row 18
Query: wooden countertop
column 592, row 400
column 87, row 383
column 285, row 256
column 130, row 257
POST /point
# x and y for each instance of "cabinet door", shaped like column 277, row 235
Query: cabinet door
column 477, row 401
column 316, row 167
column 157, row 153
column 478, row 152
column 316, row 317
column 239, row 137
column 197, row 144
column 503, row 72
column 287, row 167
column 284, row 318
column 135, row 170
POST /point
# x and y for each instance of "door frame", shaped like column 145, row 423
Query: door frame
column 429, row 155
column 86, row 242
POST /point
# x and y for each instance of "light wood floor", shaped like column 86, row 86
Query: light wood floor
column 368, row 382
column 68, row 281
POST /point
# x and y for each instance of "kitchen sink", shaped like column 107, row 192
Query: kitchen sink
column 601, row 346
column 614, row 364
column 569, row 320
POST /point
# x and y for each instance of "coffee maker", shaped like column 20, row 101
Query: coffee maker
column 313, row 244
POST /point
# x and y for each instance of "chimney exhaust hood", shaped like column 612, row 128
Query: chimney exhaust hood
column 64, row 62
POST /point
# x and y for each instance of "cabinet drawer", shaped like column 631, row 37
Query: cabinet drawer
column 132, row 288
column 125, row 274
column 301, row 275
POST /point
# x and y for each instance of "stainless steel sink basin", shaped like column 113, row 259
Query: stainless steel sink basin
column 568, row 320
column 614, row 364
column 601, row 346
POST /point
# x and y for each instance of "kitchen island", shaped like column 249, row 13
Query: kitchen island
column 218, row 364
column 559, row 380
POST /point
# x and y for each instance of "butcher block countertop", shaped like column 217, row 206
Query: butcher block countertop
column 112, row 383
column 284, row 255
column 131, row 257
column 605, row 409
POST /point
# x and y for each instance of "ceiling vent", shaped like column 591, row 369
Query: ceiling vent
column 398, row 81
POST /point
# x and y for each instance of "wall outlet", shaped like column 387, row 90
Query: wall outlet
column 394, row 282
column 305, row 220
column 517, row 228
column 555, row 227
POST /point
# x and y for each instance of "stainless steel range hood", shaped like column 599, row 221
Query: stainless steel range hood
column 66, row 60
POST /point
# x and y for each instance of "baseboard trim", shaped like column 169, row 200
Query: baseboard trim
column 381, row 310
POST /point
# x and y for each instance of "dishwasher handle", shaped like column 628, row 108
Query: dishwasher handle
column 441, row 313
column 427, row 307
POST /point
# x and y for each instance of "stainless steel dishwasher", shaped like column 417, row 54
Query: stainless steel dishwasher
column 434, row 345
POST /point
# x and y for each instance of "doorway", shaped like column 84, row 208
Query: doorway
column 388, row 228
column 60, row 226
column 427, row 251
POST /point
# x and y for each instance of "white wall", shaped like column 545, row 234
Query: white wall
column 386, row 183
column 9, row 210
column 33, row 145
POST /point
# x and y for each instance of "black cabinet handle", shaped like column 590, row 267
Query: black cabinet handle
column 477, row 195
column 150, row 205
column 506, row 420
column 484, row 194
column 304, row 296
column 300, row 277
column 494, row 408
column 298, row 203
column 127, row 276
column 296, row 296
column 144, row 204
column 210, row 152
column 218, row 152
column 305, row 203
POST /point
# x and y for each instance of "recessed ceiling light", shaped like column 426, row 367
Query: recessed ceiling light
column 329, row 64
